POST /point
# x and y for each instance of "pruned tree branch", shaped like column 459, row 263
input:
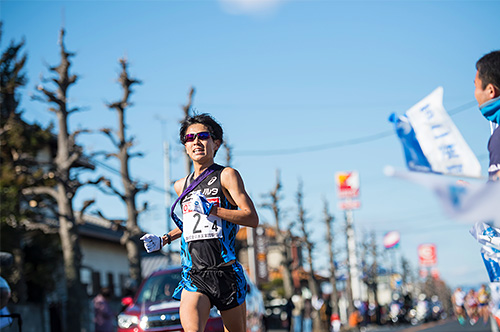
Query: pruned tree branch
column 108, row 132
column 86, row 205
column 40, row 191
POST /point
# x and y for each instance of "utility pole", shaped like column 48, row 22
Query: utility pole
column 168, row 194
column 353, row 289
column 334, row 301
column 167, row 180
column 374, row 275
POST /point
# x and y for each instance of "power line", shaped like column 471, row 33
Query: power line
column 326, row 146
column 118, row 172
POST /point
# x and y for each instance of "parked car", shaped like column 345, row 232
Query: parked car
column 154, row 310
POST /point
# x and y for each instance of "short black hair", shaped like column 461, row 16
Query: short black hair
column 205, row 119
column 488, row 68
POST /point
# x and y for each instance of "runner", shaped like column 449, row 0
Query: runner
column 471, row 304
column 483, row 298
column 214, row 203
column 458, row 300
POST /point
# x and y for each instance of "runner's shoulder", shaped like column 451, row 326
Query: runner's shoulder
column 178, row 185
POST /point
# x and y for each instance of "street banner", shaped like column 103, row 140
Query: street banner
column 349, row 205
column 427, row 254
column 472, row 202
column 347, row 184
column 431, row 141
column 391, row 239
column 261, row 254
column 435, row 273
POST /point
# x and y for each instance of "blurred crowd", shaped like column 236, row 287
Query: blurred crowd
column 472, row 305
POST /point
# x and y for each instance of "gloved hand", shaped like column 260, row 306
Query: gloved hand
column 201, row 204
column 151, row 242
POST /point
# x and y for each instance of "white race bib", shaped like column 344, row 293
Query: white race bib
column 198, row 226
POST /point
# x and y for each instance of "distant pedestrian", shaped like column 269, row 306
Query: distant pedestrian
column 458, row 301
column 355, row 319
column 104, row 316
column 289, row 309
column 483, row 297
column 471, row 306
column 307, row 317
column 335, row 322
column 297, row 311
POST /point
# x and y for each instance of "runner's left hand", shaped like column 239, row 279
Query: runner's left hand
column 201, row 204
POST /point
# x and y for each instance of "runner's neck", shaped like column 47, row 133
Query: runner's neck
column 200, row 168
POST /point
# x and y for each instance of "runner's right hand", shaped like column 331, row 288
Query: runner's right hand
column 151, row 242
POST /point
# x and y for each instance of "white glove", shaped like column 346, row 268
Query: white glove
column 151, row 242
column 201, row 204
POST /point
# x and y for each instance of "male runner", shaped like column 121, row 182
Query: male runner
column 458, row 301
column 214, row 203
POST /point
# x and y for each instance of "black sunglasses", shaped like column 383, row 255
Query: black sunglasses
column 204, row 135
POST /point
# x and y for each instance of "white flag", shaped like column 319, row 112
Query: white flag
column 471, row 202
column 435, row 135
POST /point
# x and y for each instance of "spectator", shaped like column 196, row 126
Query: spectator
column 308, row 311
column 298, row 307
column 104, row 317
column 355, row 319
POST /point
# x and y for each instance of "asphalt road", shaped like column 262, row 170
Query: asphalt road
column 442, row 326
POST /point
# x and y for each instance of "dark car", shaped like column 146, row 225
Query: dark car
column 154, row 310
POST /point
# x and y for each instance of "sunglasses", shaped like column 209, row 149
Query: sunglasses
column 204, row 135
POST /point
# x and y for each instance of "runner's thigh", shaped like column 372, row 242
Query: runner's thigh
column 194, row 311
column 235, row 319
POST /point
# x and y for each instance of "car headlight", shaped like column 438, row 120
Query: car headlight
column 127, row 321
column 144, row 323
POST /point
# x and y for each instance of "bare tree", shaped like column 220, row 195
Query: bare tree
column 334, row 301
column 229, row 153
column 313, row 285
column 69, row 156
column 187, row 109
column 281, row 236
column 131, row 188
column 373, row 274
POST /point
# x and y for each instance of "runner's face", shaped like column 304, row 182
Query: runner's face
column 199, row 150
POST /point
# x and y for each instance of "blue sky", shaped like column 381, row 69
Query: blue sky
column 292, row 82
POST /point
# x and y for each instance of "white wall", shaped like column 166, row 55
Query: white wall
column 104, row 257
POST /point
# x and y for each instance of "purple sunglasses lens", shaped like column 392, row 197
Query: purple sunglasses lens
column 204, row 135
column 191, row 137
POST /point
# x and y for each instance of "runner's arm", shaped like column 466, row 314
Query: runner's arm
column 175, row 233
column 235, row 192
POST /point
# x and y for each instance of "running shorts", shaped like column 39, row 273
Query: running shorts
column 225, row 286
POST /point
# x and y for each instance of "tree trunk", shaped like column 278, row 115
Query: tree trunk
column 76, row 298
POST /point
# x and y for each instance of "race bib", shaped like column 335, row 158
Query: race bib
column 198, row 226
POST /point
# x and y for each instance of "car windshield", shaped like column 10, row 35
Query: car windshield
column 159, row 288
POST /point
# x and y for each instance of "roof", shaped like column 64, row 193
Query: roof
column 99, row 228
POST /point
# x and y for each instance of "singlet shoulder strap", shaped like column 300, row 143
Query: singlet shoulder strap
column 188, row 181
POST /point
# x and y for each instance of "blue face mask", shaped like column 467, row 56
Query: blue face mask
column 491, row 110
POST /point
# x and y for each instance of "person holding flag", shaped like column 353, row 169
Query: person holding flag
column 214, row 204
column 487, row 93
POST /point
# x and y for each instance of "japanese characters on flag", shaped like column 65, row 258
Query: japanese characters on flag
column 432, row 142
